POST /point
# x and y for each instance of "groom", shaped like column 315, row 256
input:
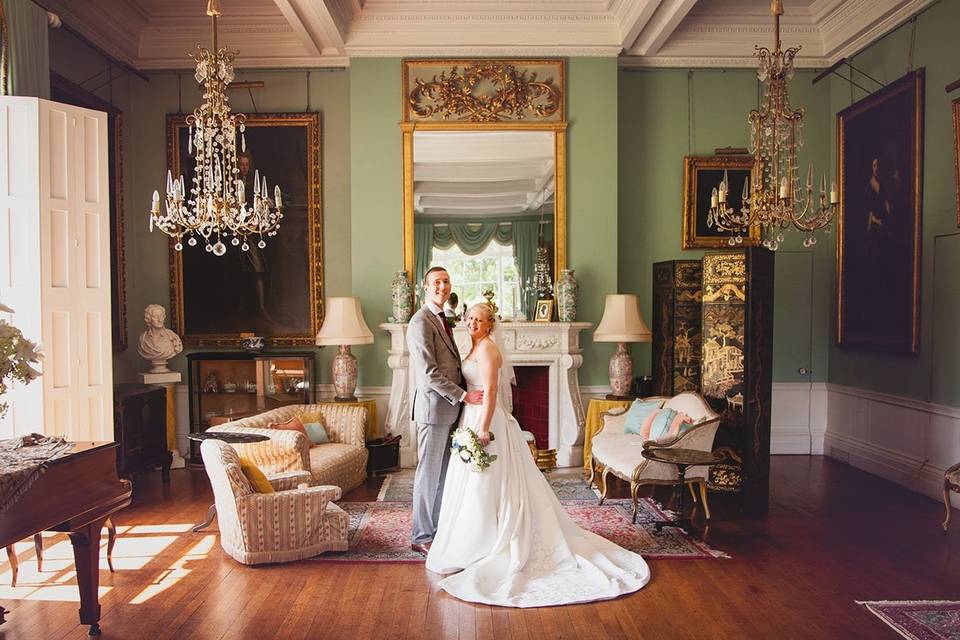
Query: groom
column 435, row 362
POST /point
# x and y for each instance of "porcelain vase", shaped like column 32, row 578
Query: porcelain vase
column 568, row 292
column 401, row 290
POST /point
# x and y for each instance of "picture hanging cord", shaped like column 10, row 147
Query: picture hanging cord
column 913, row 42
column 690, row 112
column 252, row 101
column 179, row 92
column 308, row 92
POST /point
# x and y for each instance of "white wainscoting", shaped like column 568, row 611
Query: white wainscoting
column 906, row 441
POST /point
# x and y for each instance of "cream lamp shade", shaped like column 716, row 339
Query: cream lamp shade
column 622, row 321
column 343, row 323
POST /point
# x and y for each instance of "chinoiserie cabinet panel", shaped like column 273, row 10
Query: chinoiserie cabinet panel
column 55, row 274
column 229, row 385
column 140, row 429
column 737, row 358
column 676, row 326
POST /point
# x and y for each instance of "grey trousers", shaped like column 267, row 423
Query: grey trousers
column 433, row 453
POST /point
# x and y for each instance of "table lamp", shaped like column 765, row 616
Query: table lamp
column 621, row 323
column 343, row 325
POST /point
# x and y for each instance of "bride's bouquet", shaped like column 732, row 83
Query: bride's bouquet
column 467, row 447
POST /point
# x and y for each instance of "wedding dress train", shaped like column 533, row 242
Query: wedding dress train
column 505, row 538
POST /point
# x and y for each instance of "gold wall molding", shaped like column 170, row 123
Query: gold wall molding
column 483, row 90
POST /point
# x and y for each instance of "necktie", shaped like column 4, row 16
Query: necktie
column 446, row 325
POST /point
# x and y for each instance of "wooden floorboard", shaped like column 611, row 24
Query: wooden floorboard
column 832, row 535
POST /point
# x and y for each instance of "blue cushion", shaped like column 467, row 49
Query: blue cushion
column 316, row 433
column 661, row 423
column 637, row 413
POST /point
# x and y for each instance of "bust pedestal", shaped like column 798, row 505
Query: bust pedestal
column 168, row 380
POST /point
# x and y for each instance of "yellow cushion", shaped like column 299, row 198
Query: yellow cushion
column 255, row 476
column 311, row 417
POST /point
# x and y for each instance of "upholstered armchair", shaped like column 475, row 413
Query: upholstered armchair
column 341, row 462
column 297, row 521
column 621, row 453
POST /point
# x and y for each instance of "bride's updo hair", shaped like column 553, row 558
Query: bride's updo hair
column 487, row 309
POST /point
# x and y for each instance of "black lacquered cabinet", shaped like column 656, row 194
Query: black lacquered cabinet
column 229, row 385
column 140, row 429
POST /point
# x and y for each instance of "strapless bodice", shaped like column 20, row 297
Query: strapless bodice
column 471, row 374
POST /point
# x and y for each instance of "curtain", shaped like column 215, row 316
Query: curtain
column 471, row 237
column 525, row 255
column 27, row 44
column 422, row 251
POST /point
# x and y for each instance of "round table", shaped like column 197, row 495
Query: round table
column 682, row 459
column 229, row 438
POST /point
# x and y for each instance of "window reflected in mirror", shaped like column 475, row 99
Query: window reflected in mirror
column 483, row 204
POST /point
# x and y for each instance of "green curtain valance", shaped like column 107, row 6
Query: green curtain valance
column 472, row 238
column 25, row 43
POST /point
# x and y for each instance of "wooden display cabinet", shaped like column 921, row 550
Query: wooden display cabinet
column 229, row 385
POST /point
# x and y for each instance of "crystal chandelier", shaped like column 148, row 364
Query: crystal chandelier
column 216, row 207
column 771, row 197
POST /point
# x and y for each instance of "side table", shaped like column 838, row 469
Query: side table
column 596, row 406
column 682, row 459
column 229, row 438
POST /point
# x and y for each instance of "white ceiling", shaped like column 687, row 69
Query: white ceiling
column 158, row 34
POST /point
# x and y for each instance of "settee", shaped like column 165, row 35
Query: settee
column 341, row 462
column 621, row 454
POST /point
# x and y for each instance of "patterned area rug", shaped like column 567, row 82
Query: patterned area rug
column 919, row 619
column 380, row 531
column 398, row 487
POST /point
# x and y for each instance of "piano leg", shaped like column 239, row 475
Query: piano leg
column 86, row 554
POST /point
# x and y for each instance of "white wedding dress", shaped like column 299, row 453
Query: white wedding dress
column 505, row 538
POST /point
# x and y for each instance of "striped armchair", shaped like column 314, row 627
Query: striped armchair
column 341, row 462
column 257, row 528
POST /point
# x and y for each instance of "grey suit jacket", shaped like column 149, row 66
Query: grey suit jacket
column 435, row 362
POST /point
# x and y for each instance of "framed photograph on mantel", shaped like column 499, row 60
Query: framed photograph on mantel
column 277, row 291
column 880, row 141
column 701, row 175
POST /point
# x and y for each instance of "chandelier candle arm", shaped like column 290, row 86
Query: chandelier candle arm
column 216, row 208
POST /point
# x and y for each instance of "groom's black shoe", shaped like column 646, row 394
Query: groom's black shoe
column 421, row 548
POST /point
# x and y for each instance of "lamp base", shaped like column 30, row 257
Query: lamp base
column 344, row 373
column 351, row 399
column 621, row 371
column 611, row 396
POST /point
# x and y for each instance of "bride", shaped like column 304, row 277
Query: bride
column 502, row 534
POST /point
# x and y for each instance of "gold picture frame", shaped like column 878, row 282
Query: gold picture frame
column 277, row 292
column 544, row 311
column 701, row 174
column 956, row 151
column 880, row 147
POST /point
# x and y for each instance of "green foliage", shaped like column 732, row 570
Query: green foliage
column 16, row 356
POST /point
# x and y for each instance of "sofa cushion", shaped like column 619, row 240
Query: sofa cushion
column 635, row 421
column 292, row 423
column 256, row 477
column 668, row 423
column 336, row 463
column 316, row 432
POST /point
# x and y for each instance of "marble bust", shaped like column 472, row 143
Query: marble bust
column 158, row 344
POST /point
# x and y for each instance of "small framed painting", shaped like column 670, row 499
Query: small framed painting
column 544, row 311
column 701, row 175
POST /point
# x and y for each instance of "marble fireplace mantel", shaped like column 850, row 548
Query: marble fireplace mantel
column 552, row 344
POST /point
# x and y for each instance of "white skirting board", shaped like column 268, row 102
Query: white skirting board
column 906, row 441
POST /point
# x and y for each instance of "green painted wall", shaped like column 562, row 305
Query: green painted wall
column 376, row 164
column 665, row 114
column 932, row 375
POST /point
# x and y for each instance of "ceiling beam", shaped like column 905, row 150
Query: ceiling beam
column 661, row 26
column 633, row 19
column 295, row 20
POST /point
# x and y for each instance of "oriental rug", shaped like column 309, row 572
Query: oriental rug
column 919, row 619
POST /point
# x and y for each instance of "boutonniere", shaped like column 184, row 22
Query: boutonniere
column 451, row 321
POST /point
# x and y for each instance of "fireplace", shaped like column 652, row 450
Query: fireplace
column 531, row 402
column 547, row 358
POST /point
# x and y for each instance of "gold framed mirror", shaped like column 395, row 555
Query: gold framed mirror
column 484, row 172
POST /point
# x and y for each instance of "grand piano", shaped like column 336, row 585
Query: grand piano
column 75, row 495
